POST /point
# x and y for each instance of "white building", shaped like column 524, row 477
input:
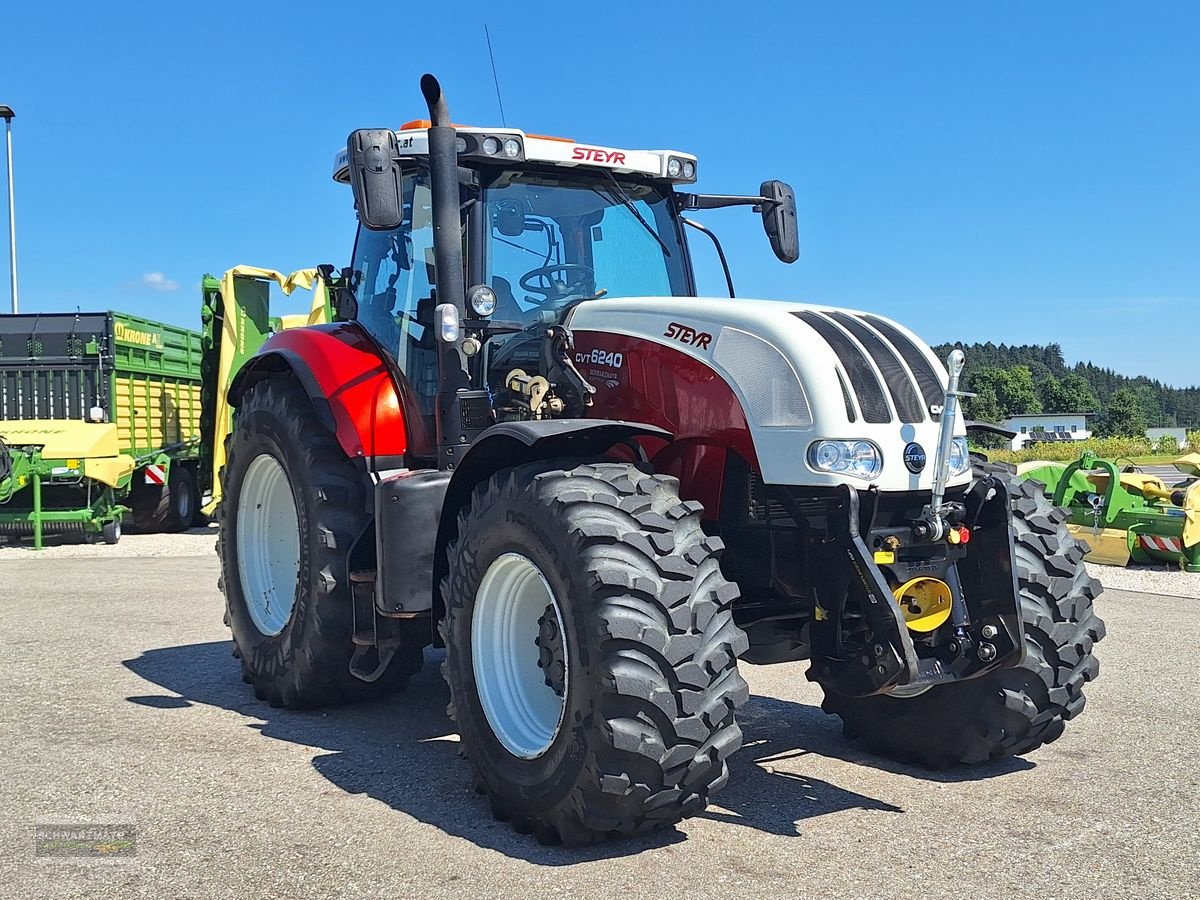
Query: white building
column 1180, row 435
column 1048, row 427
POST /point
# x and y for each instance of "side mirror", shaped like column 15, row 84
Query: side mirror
column 508, row 217
column 374, row 162
column 779, row 219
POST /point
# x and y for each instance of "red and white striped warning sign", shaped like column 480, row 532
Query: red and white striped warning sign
column 156, row 475
column 1162, row 544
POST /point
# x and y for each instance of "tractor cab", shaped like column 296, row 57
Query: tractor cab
column 539, row 241
column 548, row 224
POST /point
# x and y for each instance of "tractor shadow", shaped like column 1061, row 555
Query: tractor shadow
column 402, row 752
column 768, row 789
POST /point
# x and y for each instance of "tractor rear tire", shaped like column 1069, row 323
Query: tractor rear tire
column 169, row 507
column 639, row 657
column 298, row 655
column 1008, row 712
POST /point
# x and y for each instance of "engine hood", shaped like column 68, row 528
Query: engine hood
column 803, row 373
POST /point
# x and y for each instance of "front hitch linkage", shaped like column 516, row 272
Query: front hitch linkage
column 934, row 521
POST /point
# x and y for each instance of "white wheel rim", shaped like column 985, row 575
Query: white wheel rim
column 268, row 544
column 524, row 712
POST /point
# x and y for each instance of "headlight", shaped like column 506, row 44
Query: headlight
column 859, row 458
column 482, row 300
column 491, row 146
column 830, row 456
column 512, row 149
column 689, row 169
column 960, row 456
column 674, row 167
column 865, row 460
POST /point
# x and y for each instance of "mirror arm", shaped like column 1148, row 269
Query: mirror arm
column 719, row 201
column 720, row 250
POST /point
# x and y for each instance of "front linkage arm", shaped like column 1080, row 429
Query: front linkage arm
column 888, row 657
column 861, row 644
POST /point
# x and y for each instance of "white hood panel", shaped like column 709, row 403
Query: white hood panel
column 889, row 373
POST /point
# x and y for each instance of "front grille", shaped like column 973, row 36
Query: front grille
column 930, row 382
column 900, row 386
column 863, row 379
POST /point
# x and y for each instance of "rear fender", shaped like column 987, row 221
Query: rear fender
column 351, row 387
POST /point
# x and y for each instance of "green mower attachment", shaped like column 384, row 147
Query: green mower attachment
column 1127, row 515
column 61, row 477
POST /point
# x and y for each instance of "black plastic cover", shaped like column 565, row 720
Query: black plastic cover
column 408, row 510
column 375, row 173
column 779, row 220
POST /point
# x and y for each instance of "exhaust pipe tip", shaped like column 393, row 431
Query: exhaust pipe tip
column 439, row 112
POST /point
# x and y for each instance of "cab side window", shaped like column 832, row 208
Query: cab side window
column 393, row 278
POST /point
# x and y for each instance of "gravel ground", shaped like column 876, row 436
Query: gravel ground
column 119, row 702
column 1149, row 580
column 193, row 542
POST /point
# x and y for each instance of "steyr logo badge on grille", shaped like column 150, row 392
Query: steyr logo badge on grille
column 914, row 457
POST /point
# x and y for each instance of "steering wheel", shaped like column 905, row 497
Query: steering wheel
column 582, row 282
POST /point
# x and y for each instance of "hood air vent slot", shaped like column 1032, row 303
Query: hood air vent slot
column 904, row 394
column 863, row 379
column 931, row 383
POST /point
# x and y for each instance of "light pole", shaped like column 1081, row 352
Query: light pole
column 7, row 114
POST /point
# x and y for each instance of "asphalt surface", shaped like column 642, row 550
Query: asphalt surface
column 119, row 703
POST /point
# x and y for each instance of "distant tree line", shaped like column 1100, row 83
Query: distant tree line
column 1034, row 378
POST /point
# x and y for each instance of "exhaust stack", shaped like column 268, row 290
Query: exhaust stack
column 448, row 261
column 443, row 176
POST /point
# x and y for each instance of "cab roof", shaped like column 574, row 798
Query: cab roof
column 412, row 139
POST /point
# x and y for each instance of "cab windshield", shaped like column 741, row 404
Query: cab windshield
column 553, row 239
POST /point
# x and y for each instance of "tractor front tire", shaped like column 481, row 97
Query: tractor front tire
column 591, row 651
column 293, row 503
column 1008, row 712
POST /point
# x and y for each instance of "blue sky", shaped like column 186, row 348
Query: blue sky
column 1020, row 172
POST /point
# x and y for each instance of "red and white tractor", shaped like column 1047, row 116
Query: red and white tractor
column 527, row 441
